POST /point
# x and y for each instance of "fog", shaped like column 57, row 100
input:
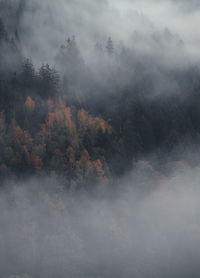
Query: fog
column 99, row 117
column 45, row 25
column 135, row 231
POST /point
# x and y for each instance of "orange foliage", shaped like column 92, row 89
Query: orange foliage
column 63, row 117
column 45, row 133
column 60, row 117
column 30, row 104
column 18, row 135
column 72, row 126
column 85, row 156
column 102, row 125
column 22, row 137
column 37, row 162
column 87, row 167
column 71, row 156
column 75, row 142
column 99, row 168
column 83, row 118
column 33, row 159
column 87, row 121
column 84, row 165
column 50, row 120
column 27, row 155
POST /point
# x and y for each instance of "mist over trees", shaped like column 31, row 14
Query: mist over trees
column 99, row 139
column 150, row 105
column 110, row 112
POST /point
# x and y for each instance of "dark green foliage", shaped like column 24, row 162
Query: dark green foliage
column 3, row 33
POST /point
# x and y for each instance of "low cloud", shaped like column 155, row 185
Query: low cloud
column 45, row 25
column 129, row 233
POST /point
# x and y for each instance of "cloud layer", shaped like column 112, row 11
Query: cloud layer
column 127, row 235
column 45, row 25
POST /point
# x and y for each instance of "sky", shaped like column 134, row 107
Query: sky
column 46, row 24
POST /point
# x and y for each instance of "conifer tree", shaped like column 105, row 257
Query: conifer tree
column 3, row 32
column 110, row 47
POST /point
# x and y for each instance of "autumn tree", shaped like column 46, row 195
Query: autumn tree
column 30, row 104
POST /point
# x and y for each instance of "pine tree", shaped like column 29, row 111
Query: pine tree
column 110, row 47
column 28, row 74
column 49, row 81
column 3, row 33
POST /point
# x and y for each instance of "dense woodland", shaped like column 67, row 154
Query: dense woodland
column 64, row 120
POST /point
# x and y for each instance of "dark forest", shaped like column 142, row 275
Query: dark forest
column 99, row 143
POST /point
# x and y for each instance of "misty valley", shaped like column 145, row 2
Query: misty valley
column 99, row 139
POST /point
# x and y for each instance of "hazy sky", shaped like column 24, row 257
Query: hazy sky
column 47, row 23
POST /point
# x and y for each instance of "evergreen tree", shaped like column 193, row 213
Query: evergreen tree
column 3, row 32
column 49, row 80
column 110, row 47
column 28, row 74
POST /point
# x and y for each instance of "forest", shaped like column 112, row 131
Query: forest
column 99, row 147
column 53, row 124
